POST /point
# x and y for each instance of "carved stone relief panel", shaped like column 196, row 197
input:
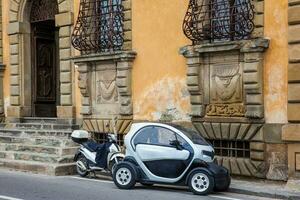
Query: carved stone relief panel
column 226, row 85
column 105, row 84
column 106, row 89
column 104, row 94
column 225, row 79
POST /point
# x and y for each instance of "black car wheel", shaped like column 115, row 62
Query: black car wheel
column 200, row 182
column 124, row 175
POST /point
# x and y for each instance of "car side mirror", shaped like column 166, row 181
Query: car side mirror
column 176, row 144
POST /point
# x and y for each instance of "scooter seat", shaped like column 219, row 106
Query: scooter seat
column 92, row 146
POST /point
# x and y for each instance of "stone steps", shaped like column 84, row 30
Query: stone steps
column 35, row 133
column 43, row 120
column 40, row 145
column 52, row 142
column 38, row 167
column 39, row 126
column 39, row 157
column 38, row 149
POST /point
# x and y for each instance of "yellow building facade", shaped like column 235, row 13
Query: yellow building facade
column 241, row 94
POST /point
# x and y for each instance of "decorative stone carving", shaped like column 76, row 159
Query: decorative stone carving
column 226, row 78
column 106, row 89
column 105, row 84
column 225, row 110
column 226, row 84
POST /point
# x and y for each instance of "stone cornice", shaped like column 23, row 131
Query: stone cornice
column 253, row 45
column 109, row 56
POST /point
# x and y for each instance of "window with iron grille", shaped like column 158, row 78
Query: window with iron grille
column 219, row 20
column 99, row 26
column 102, row 137
column 231, row 148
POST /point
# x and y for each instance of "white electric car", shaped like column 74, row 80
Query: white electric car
column 169, row 154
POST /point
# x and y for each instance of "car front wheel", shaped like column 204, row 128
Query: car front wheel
column 124, row 175
column 200, row 182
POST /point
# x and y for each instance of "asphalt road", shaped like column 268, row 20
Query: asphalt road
column 24, row 186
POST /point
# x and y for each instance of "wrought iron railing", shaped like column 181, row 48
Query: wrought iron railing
column 218, row 20
column 99, row 26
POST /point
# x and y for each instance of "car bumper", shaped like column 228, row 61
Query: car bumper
column 220, row 174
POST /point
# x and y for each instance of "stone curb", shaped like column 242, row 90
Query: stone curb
column 287, row 196
column 282, row 195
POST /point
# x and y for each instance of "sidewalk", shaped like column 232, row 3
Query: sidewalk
column 264, row 188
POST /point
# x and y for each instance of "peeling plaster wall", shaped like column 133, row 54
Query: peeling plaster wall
column 276, row 61
column 166, row 99
column 159, row 72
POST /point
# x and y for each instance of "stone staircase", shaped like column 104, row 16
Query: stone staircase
column 39, row 145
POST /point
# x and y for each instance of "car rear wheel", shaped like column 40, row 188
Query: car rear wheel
column 124, row 175
column 200, row 182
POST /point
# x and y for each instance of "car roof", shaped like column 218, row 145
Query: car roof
column 142, row 124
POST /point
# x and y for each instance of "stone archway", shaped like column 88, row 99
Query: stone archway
column 20, row 62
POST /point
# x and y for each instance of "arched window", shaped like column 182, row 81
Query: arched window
column 99, row 26
column 216, row 20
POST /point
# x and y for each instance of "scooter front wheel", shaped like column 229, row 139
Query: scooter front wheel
column 124, row 175
column 81, row 166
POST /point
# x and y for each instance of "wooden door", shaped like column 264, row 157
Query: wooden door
column 44, row 69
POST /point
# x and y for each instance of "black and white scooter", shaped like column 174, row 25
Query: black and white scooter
column 92, row 156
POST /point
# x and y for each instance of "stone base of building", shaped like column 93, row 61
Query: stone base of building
column 38, row 145
column 291, row 134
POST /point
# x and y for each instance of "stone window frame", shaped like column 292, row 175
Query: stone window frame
column 123, row 61
column 252, row 70
column 20, row 59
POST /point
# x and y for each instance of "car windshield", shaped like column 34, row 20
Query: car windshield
column 192, row 135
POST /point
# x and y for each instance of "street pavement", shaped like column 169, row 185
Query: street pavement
column 24, row 186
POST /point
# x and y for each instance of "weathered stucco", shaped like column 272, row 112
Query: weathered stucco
column 276, row 61
column 159, row 72
column 166, row 99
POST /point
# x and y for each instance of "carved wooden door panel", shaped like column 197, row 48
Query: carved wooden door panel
column 44, row 71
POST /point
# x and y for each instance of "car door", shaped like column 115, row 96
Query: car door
column 153, row 148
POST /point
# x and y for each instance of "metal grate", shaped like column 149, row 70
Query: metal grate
column 42, row 10
column 218, row 20
column 102, row 137
column 99, row 26
column 231, row 148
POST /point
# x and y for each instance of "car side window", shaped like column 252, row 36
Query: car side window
column 143, row 136
column 154, row 135
column 184, row 143
column 164, row 136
